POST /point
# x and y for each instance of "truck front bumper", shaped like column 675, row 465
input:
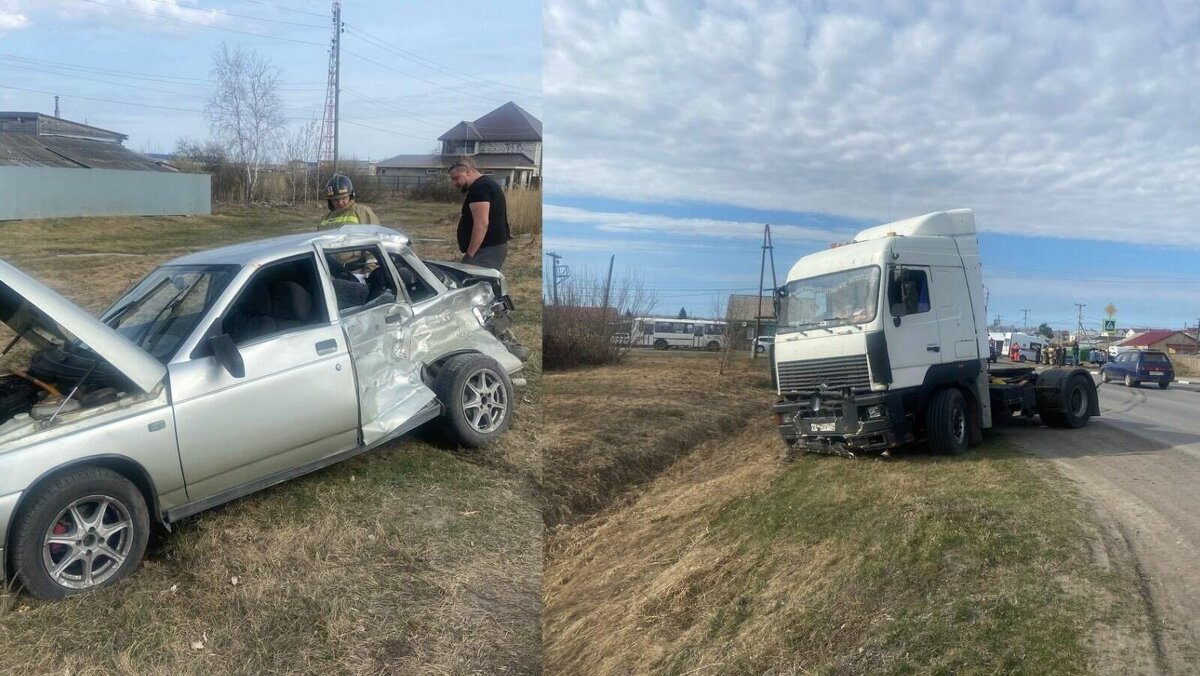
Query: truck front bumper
column 844, row 424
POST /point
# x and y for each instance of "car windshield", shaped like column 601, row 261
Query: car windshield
column 162, row 310
column 848, row 297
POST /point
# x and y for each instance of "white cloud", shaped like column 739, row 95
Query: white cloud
column 1080, row 123
column 12, row 17
column 166, row 16
column 674, row 227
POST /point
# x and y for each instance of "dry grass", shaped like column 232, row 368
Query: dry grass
column 732, row 562
column 615, row 427
column 409, row 559
column 524, row 211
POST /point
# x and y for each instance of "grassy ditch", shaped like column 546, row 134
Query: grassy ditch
column 732, row 562
column 611, row 428
column 409, row 559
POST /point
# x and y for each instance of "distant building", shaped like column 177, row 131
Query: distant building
column 742, row 311
column 51, row 167
column 1164, row 340
column 505, row 144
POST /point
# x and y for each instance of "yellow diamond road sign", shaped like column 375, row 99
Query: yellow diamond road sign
column 1110, row 309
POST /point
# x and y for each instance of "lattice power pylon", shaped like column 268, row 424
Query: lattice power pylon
column 327, row 151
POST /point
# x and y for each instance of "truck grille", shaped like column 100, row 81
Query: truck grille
column 835, row 373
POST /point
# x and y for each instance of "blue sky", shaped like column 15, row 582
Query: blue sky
column 435, row 63
column 677, row 129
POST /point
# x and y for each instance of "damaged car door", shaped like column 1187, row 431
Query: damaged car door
column 376, row 318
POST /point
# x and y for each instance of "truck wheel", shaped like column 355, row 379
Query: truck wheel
column 660, row 344
column 947, row 422
column 477, row 399
column 1129, row 381
column 1077, row 405
column 81, row 531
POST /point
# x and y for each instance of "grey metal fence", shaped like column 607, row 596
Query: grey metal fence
column 52, row 192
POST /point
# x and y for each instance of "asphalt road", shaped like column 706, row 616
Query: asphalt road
column 1139, row 464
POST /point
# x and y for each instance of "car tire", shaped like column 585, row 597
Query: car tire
column 477, row 399
column 1104, row 376
column 1021, row 358
column 103, row 522
column 1077, row 406
column 948, row 423
column 1163, row 385
column 713, row 346
column 660, row 344
column 1129, row 381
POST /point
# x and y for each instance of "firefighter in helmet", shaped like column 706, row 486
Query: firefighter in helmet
column 343, row 210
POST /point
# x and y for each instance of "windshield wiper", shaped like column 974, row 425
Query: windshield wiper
column 134, row 304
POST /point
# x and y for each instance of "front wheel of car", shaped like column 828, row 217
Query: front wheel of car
column 80, row 531
column 1104, row 376
column 477, row 399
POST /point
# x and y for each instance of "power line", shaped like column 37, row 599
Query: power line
column 178, row 80
column 204, row 25
column 222, row 12
column 386, row 131
column 433, row 65
column 415, row 118
column 287, row 9
column 415, row 77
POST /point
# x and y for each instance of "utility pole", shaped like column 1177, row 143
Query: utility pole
column 768, row 251
column 1025, row 320
column 328, row 148
column 56, row 105
column 1079, row 331
column 555, row 273
column 607, row 286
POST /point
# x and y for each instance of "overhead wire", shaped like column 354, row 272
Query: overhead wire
column 203, row 25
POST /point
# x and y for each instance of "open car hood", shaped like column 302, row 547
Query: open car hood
column 28, row 307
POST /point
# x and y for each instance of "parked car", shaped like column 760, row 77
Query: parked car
column 763, row 343
column 227, row 371
column 1137, row 366
column 1098, row 357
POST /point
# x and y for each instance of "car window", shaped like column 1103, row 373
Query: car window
column 1155, row 358
column 359, row 279
column 418, row 289
column 279, row 297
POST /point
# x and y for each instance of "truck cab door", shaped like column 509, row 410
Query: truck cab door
column 911, row 325
column 955, row 319
column 376, row 319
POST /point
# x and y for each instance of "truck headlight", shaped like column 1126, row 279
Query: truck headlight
column 877, row 412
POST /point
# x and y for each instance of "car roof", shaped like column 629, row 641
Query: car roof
column 264, row 250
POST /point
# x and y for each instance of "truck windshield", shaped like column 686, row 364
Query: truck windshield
column 847, row 297
column 160, row 312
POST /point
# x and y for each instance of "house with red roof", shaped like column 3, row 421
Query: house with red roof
column 1164, row 340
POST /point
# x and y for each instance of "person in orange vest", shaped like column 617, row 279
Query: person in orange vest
column 1014, row 352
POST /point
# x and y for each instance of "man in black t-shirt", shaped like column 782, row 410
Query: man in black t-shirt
column 483, row 227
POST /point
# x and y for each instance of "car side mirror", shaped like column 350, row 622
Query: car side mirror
column 226, row 352
column 399, row 312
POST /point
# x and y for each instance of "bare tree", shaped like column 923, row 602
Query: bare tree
column 300, row 147
column 245, row 111
column 581, row 329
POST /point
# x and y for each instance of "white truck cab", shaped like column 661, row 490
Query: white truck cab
column 884, row 340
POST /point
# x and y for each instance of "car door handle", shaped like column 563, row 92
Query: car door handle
column 326, row 346
column 933, row 348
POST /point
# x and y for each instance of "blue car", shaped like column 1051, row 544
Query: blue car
column 1139, row 366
